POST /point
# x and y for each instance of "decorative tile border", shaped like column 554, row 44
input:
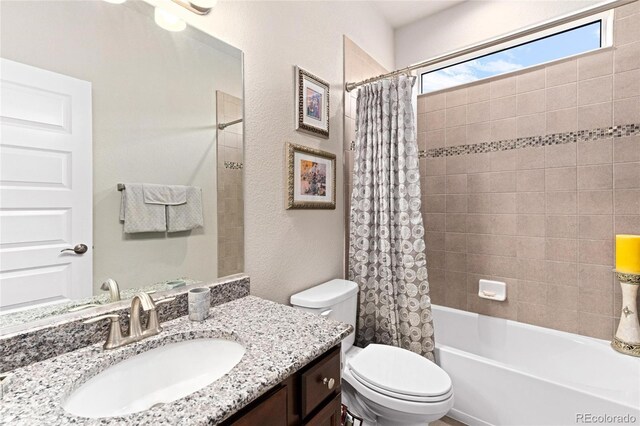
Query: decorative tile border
column 234, row 165
column 535, row 141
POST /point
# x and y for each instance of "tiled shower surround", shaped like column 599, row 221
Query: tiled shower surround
column 527, row 178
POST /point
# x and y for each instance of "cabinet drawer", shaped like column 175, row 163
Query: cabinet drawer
column 329, row 415
column 316, row 380
column 271, row 411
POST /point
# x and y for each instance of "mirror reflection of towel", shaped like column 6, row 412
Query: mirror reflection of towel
column 169, row 195
column 139, row 216
column 185, row 217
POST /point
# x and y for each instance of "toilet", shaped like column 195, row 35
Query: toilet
column 385, row 385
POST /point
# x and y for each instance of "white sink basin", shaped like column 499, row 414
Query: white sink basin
column 157, row 376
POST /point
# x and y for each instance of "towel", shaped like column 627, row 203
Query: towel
column 186, row 216
column 169, row 195
column 139, row 216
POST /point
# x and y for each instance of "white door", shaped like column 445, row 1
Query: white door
column 45, row 187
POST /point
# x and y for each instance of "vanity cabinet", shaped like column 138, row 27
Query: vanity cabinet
column 311, row 396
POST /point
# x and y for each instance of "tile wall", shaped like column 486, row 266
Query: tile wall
column 230, row 191
column 539, row 212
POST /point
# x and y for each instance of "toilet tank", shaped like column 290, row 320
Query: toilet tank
column 336, row 299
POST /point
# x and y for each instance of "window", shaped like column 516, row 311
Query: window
column 557, row 43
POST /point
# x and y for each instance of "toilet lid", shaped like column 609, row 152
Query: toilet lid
column 399, row 371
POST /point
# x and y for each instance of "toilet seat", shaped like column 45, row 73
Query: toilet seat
column 401, row 374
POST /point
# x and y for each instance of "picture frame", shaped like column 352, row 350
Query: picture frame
column 312, row 98
column 311, row 178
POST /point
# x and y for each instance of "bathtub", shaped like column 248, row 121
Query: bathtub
column 510, row 373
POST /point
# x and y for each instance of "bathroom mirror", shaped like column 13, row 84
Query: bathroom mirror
column 155, row 107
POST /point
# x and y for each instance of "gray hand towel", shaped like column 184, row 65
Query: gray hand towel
column 139, row 216
column 186, row 216
column 169, row 195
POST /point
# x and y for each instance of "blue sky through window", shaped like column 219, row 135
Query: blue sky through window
column 556, row 46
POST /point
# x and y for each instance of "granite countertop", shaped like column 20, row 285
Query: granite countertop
column 279, row 340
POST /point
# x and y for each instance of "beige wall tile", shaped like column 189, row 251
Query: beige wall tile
column 626, row 201
column 530, row 158
column 434, row 120
column 434, row 203
column 559, row 97
column 595, row 65
column 627, row 224
column 503, row 108
column 435, row 166
column 530, row 180
column 479, row 132
column 595, row 202
column 456, row 203
column 456, row 222
column 627, row 84
column 531, row 102
column 456, row 136
column 626, row 149
column 562, row 226
column 478, row 112
column 504, row 129
column 456, row 97
column 562, row 319
column 503, row 181
column 435, row 241
column 598, row 326
column 532, row 125
column 456, row 262
column 560, row 179
column 433, row 139
column 563, row 273
column 562, row 73
column 595, row 152
column 456, row 242
column 595, row 277
column 531, row 247
column 531, row 313
column 479, row 92
column 456, row 184
column 434, row 185
column 503, row 160
column 626, row 31
column 596, row 115
column 456, row 164
column 563, row 202
column 503, row 87
column 597, row 252
column 561, row 249
column 626, row 175
column 530, row 203
column 627, row 57
column 562, row 120
column 598, row 227
column 562, row 296
column 595, row 177
column 627, row 10
column 531, row 269
column 503, row 202
column 478, row 163
column 531, row 225
column 627, row 111
column 434, row 102
column 531, row 80
column 456, row 116
column 434, row 222
column 479, row 203
column 479, row 182
column 595, row 90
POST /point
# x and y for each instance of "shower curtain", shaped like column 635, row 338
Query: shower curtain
column 386, row 243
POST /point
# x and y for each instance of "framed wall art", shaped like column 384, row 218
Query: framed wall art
column 311, row 178
column 312, row 98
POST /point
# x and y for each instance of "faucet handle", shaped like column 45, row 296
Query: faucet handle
column 165, row 300
column 112, row 317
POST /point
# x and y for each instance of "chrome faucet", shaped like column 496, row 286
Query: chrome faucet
column 143, row 300
column 111, row 286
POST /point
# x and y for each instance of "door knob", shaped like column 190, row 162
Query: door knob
column 78, row 249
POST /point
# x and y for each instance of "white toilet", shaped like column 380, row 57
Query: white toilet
column 385, row 385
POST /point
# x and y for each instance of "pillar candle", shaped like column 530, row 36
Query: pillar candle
column 628, row 254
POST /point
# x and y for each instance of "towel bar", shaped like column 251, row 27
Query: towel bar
column 121, row 187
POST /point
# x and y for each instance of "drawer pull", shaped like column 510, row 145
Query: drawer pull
column 329, row 382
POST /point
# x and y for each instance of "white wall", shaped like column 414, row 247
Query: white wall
column 289, row 250
column 472, row 22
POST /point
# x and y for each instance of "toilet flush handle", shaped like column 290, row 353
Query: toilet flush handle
column 330, row 383
column 326, row 313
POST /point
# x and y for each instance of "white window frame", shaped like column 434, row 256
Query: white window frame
column 606, row 40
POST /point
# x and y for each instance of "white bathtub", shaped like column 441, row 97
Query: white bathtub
column 510, row 373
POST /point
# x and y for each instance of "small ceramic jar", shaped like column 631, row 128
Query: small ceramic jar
column 199, row 303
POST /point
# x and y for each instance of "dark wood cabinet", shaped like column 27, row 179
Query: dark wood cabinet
column 311, row 396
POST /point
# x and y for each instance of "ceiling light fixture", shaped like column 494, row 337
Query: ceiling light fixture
column 168, row 21
column 199, row 7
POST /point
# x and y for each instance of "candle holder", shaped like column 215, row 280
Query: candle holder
column 627, row 338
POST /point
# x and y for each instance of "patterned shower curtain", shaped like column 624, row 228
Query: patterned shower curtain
column 386, row 244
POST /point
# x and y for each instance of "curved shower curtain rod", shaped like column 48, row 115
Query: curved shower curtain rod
column 583, row 13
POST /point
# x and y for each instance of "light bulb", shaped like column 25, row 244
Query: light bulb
column 168, row 21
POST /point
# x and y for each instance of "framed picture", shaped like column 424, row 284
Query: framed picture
column 311, row 178
column 312, row 96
